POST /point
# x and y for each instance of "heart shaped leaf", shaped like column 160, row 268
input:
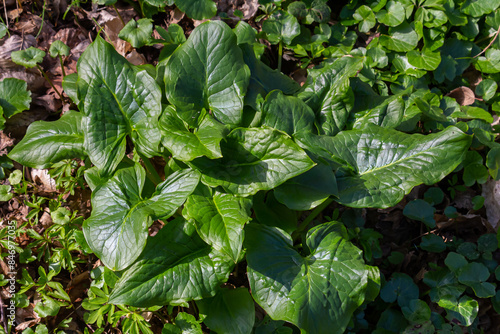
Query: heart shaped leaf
column 175, row 267
column 118, row 100
column 208, row 71
column 14, row 96
column 28, row 58
column 254, row 159
column 48, row 142
column 377, row 166
column 137, row 33
column 118, row 227
column 318, row 292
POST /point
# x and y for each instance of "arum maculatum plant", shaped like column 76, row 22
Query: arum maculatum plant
column 239, row 139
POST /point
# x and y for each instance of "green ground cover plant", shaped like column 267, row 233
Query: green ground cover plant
column 265, row 184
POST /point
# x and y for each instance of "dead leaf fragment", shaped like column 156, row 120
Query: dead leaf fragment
column 463, row 95
column 491, row 194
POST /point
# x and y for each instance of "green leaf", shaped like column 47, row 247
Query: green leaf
column 48, row 142
column 70, row 87
column 455, row 261
column 378, row 166
column 47, row 307
column 308, row 190
column 327, row 92
column 118, row 100
column 401, row 38
column 281, row 26
column 263, row 79
column 487, row 88
column 219, row 220
column 3, row 30
column 272, row 213
column 208, row 72
column 401, row 288
column 306, row 290
column 197, row 9
column 137, row 33
column 417, row 311
column 14, row 96
column 490, row 63
column 464, row 310
column 118, row 227
column 475, row 275
column 478, row 8
column 254, row 159
column 58, row 48
column 422, row 211
column 230, row 311
column 364, row 15
column 393, row 14
column 245, row 33
column 175, row 267
column 425, row 60
column 5, row 194
column 28, row 58
column 286, row 113
column 174, row 34
column 433, row 243
column 187, row 145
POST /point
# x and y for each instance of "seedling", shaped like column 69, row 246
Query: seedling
column 59, row 49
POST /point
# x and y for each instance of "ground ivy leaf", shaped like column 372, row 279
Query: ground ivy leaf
column 281, row 26
column 286, row 113
column 490, row 63
column 393, row 14
column 328, row 94
column 118, row 100
column 208, row 71
column 28, row 58
column 118, row 227
column 137, row 33
column 464, row 309
column 364, row 15
column 401, row 38
column 318, row 292
column 263, row 79
column 219, row 220
column 48, row 142
column 254, row 159
column 175, row 267
column 426, row 60
column 230, row 311
column 197, row 9
column 478, row 8
column 376, row 166
column 187, row 145
column 14, row 96
column 58, row 48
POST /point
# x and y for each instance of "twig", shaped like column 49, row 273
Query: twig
column 6, row 16
column 3, row 316
column 489, row 45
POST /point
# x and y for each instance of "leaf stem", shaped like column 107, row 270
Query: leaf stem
column 280, row 54
column 49, row 81
column 151, row 170
column 311, row 217
column 62, row 66
column 118, row 13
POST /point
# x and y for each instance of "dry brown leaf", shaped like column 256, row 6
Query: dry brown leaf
column 175, row 16
column 463, row 95
column 491, row 194
column 14, row 43
column 42, row 178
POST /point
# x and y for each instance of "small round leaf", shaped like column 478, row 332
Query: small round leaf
column 28, row 58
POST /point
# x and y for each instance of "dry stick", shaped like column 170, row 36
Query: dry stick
column 6, row 16
column 486, row 48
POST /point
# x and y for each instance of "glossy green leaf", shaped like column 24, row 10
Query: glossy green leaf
column 70, row 87
column 119, row 100
column 364, row 15
column 3, row 30
column 219, row 220
column 272, row 213
column 281, row 26
column 230, row 311
column 475, row 275
column 463, row 310
column 478, row 8
column 422, row 211
column 137, row 33
column 263, row 79
column 286, row 113
column 308, row 190
column 208, row 72
column 187, row 145
column 185, row 323
column 417, row 311
column 197, row 9
column 318, row 292
column 175, row 267
column 393, row 14
column 328, row 94
column 58, row 48
column 401, row 38
column 14, row 96
column 5, row 194
column 118, row 227
column 254, row 159
column 487, row 88
column 48, row 142
column 426, row 60
column 378, row 166
column 28, row 58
